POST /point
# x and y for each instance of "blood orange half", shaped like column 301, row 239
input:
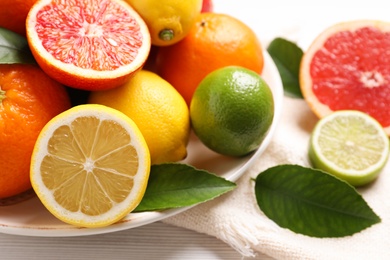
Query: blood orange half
column 89, row 44
column 347, row 67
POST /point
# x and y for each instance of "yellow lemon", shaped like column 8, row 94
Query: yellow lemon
column 159, row 111
column 168, row 21
column 90, row 166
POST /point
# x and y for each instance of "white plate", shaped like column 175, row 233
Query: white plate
column 30, row 218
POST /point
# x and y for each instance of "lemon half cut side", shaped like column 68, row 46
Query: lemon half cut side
column 350, row 145
column 90, row 166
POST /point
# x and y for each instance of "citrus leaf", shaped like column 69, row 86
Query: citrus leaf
column 312, row 202
column 287, row 57
column 14, row 48
column 177, row 185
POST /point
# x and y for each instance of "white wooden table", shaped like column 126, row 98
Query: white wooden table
column 155, row 241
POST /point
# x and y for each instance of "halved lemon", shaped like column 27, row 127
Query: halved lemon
column 350, row 145
column 90, row 166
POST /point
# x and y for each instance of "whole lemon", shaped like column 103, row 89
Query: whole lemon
column 168, row 21
column 232, row 110
column 158, row 110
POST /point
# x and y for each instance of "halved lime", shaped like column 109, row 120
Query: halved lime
column 351, row 145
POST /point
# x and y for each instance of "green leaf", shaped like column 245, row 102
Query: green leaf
column 14, row 48
column 287, row 57
column 312, row 202
column 179, row 185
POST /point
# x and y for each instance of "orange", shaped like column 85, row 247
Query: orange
column 99, row 46
column 216, row 40
column 13, row 14
column 28, row 100
column 347, row 68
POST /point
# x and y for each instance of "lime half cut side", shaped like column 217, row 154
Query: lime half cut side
column 351, row 145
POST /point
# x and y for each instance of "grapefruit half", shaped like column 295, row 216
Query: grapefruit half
column 347, row 67
column 90, row 44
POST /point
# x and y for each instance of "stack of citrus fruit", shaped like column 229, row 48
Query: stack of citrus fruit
column 89, row 165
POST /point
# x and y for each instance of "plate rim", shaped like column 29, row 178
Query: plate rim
column 144, row 218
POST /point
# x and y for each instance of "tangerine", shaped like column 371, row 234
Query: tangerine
column 215, row 41
column 347, row 68
column 90, row 45
column 28, row 100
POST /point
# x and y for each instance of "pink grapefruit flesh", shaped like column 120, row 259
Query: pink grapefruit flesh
column 347, row 67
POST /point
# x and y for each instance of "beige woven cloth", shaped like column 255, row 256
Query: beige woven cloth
column 236, row 219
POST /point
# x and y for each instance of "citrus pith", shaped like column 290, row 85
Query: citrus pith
column 346, row 68
column 90, row 45
column 90, row 166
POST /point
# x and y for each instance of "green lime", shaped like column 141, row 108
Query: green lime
column 351, row 145
column 232, row 110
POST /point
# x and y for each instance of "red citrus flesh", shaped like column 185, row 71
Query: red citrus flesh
column 348, row 67
column 90, row 44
